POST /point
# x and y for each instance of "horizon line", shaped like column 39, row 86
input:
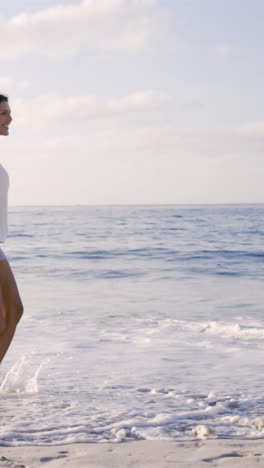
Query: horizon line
column 136, row 204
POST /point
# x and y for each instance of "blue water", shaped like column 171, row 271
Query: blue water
column 141, row 322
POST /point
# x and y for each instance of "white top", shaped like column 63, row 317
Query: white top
column 4, row 186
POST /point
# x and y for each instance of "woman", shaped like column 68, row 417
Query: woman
column 11, row 307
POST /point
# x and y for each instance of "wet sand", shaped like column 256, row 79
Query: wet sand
column 223, row 453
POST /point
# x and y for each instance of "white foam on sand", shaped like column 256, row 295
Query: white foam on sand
column 160, row 330
column 245, row 331
column 169, row 380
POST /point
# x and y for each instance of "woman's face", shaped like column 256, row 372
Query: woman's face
column 5, row 118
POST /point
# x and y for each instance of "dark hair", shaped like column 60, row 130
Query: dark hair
column 3, row 98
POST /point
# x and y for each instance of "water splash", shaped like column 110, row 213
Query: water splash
column 19, row 378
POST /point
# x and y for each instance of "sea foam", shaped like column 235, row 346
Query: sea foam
column 20, row 378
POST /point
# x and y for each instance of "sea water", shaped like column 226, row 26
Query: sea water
column 140, row 322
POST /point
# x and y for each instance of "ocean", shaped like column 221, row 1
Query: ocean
column 140, row 322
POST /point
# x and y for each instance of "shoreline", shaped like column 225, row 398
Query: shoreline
column 227, row 453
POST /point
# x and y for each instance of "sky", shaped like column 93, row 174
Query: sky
column 133, row 101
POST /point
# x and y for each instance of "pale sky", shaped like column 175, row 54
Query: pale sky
column 133, row 101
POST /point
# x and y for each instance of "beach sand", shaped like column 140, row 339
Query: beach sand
column 150, row 454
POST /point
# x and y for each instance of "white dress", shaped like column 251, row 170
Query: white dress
column 4, row 186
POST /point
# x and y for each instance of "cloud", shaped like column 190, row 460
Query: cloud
column 166, row 144
column 55, row 110
column 8, row 84
column 111, row 25
column 164, row 164
column 223, row 50
column 169, row 142
column 252, row 129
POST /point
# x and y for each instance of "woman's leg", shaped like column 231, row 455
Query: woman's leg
column 2, row 314
column 11, row 307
